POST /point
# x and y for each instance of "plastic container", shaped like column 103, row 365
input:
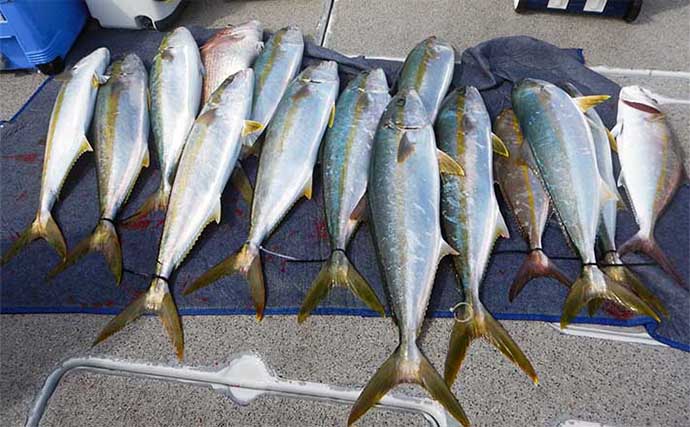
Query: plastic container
column 625, row 9
column 135, row 14
column 39, row 33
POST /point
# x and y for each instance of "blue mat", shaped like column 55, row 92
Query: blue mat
column 89, row 288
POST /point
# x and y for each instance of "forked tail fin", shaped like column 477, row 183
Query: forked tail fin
column 338, row 271
column 408, row 366
column 156, row 300
column 157, row 201
column 473, row 321
column 43, row 227
column 648, row 246
column 593, row 286
column 104, row 240
column 537, row 264
column 247, row 262
column 622, row 274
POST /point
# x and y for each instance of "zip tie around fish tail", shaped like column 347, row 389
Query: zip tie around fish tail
column 107, row 220
column 156, row 276
column 455, row 308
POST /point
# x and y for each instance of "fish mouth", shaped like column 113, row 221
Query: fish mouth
column 641, row 106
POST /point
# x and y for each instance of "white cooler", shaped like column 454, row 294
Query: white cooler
column 135, row 14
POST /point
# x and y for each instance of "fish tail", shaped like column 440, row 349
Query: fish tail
column 104, row 240
column 647, row 245
column 622, row 274
column 158, row 300
column 473, row 321
column 157, row 201
column 406, row 365
column 537, row 264
column 339, row 271
column 592, row 287
column 43, row 227
column 247, row 262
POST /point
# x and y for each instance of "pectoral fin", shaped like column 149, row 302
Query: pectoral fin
column 447, row 249
column 147, row 159
column 250, row 126
column 85, row 146
column 616, row 131
column 498, row 146
column 447, row 165
column 331, row 119
column 591, row 101
column 501, row 226
column 606, row 194
column 360, row 210
column 308, row 187
column 612, row 141
column 405, row 148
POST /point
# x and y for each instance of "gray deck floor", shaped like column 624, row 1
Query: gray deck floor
column 593, row 380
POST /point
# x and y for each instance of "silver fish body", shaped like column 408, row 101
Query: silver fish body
column 228, row 51
column 274, row 69
column 561, row 142
column 651, row 169
column 472, row 222
column 403, row 195
column 65, row 142
column 428, row 69
column 121, row 130
column 288, row 155
column 175, row 85
column 346, row 157
column 212, row 148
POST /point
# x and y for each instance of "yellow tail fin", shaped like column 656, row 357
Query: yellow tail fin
column 247, row 262
column 472, row 321
column 593, row 285
column 338, row 271
column 157, row 201
column 104, row 240
column 43, row 227
column 622, row 274
column 408, row 366
column 156, row 300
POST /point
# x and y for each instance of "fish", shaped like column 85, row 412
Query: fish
column 563, row 149
column 274, row 69
column 121, row 132
column 228, row 51
column 428, row 69
column 65, row 143
column 472, row 221
column 212, row 148
column 403, row 198
column 651, row 170
column 524, row 194
column 613, row 266
column 290, row 148
column 345, row 166
column 175, row 91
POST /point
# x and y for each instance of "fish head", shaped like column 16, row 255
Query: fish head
column 97, row 60
column 406, row 111
column 130, row 65
column 321, row 72
column 176, row 38
column 436, row 45
column 292, row 34
column 640, row 98
column 373, row 80
column 528, row 93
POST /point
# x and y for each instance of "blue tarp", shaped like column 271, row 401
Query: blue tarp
column 88, row 286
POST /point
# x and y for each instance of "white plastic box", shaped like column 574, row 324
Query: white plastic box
column 135, row 14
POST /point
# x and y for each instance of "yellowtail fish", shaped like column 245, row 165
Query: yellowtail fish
column 346, row 158
column 65, row 142
column 472, row 222
column 291, row 144
column 403, row 195
column 121, row 131
column 212, row 148
column 175, row 85
column 528, row 201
